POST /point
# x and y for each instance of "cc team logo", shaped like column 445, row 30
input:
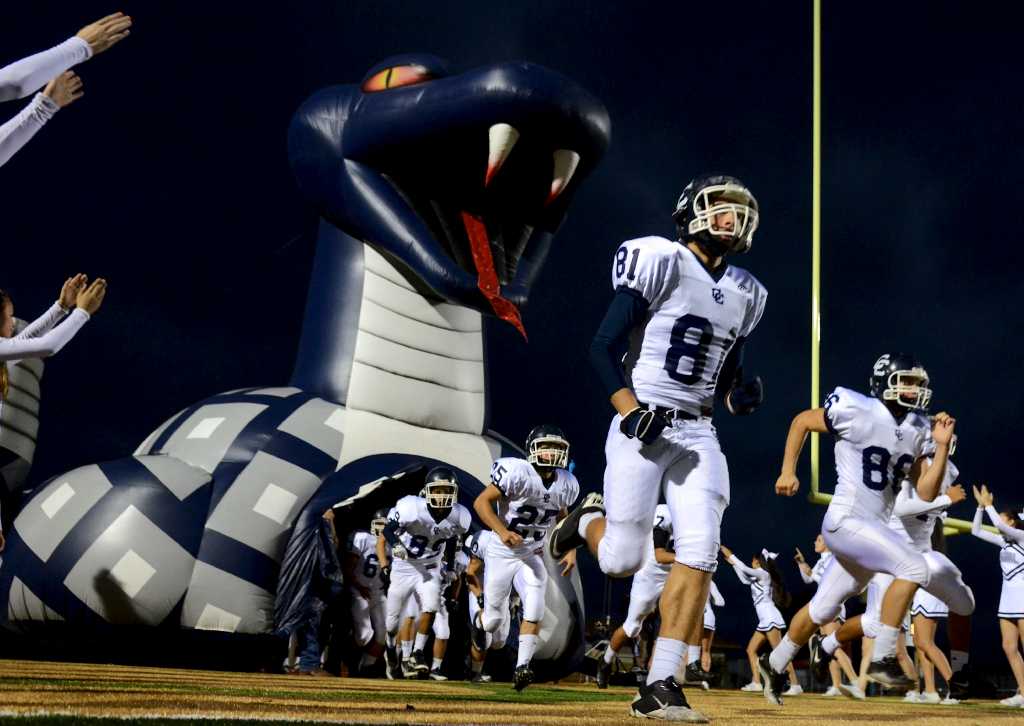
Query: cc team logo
column 718, row 295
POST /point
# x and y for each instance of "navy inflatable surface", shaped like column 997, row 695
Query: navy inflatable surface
column 439, row 195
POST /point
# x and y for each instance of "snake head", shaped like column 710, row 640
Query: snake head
column 460, row 179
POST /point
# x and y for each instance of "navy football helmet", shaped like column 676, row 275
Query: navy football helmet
column 706, row 197
column 546, row 445
column 900, row 378
column 378, row 522
column 441, row 489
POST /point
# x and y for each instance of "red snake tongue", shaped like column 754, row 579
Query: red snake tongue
column 487, row 278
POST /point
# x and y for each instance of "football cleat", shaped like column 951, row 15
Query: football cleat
column 565, row 536
column 913, row 697
column 888, row 672
column 664, row 701
column 604, row 673
column 795, row 689
column 774, row 683
column 1014, row 701
column 421, row 662
column 932, row 698
column 752, row 687
column 522, row 677
column 832, row 692
column 696, row 675
column 392, row 666
column 820, row 660
column 437, row 675
column 409, row 668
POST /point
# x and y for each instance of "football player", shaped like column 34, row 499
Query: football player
column 367, row 599
column 520, row 505
column 483, row 642
column 687, row 314
column 451, row 586
column 420, row 531
column 881, row 440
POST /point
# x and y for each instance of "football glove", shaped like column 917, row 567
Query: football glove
column 385, row 577
column 745, row 398
column 643, row 424
column 480, row 600
column 399, row 552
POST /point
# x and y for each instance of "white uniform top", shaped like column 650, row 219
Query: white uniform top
column 422, row 537
column 693, row 321
column 477, row 542
column 1011, row 557
column 914, row 517
column 528, row 507
column 364, row 545
column 19, row 79
column 873, row 452
column 759, row 580
column 817, row 570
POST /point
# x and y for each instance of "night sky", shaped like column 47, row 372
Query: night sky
column 170, row 178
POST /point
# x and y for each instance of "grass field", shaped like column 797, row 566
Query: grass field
column 64, row 693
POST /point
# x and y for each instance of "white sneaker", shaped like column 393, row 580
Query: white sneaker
column 753, row 687
column 794, row 690
column 947, row 701
column 852, row 690
column 932, row 698
column 912, row 697
column 831, row 692
column 1016, row 701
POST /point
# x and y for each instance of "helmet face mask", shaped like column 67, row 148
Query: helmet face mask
column 546, row 446
column 441, row 490
column 900, row 379
column 703, row 201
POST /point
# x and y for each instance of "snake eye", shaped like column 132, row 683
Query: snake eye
column 396, row 77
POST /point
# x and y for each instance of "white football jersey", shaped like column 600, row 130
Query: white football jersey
column 918, row 528
column 663, row 525
column 528, row 507
column 364, row 545
column 693, row 321
column 422, row 537
column 478, row 542
column 874, row 452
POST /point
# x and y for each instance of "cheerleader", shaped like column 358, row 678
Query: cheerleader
column 768, row 593
column 1011, row 601
column 813, row 574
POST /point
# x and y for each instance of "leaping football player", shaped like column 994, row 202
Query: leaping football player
column 521, row 504
column 881, row 440
column 687, row 314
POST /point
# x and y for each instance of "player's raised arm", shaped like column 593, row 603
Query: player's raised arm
column 805, row 422
column 928, row 478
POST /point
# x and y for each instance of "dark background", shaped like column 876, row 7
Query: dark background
column 170, row 179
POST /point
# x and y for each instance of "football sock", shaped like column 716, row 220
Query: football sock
column 421, row 641
column 668, row 654
column 885, row 643
column 783, row 653
column 527, row 647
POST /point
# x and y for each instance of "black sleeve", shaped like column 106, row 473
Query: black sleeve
column 391, row 533
column 661, row 539
column 732, row 370
column 611, row 342
column 450, row 546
